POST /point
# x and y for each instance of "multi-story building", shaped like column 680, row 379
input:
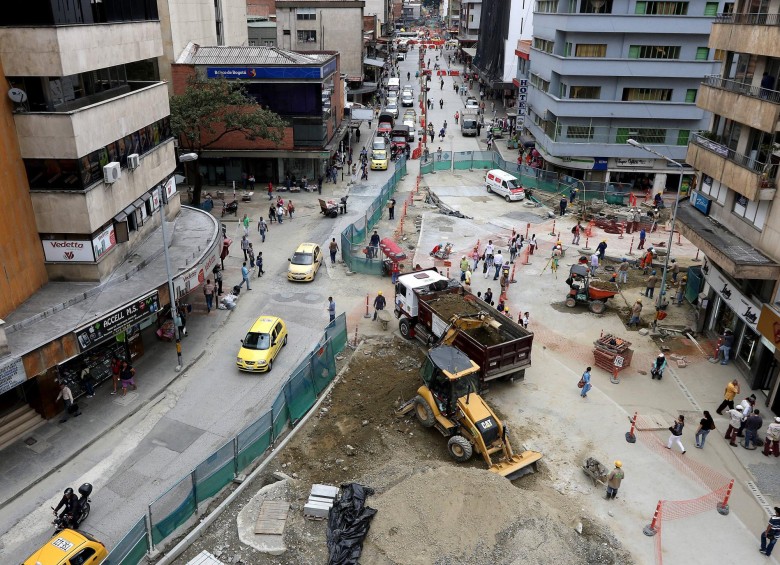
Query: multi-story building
column 262, row 33
column 323, row 25
column 604, row 71
column 468, row 32
column 734, row 213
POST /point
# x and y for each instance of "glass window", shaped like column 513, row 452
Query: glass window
column 544, row 45
column 307, row 36
column 662, row 8
column 647, row 94
column 690, row 95
column 654, row 52
column 711, row 9
column 580, row 132
column 585, row 92
column 596, row 7
column 752, row 211
column 650, row 135
column 702, row 53
column 305, row 14
column 683, row 136
column 591, row 50
column 302, row 259
column 257, row 341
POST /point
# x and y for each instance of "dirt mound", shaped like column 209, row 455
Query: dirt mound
column 453, row 514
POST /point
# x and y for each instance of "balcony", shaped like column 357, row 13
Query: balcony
column 741, row 173
column 69, row 50
column 754, row 106
column 758, row 34
column 623, row 23
column 74, row 134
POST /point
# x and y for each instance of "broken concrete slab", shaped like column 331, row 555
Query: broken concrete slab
column 273, row 544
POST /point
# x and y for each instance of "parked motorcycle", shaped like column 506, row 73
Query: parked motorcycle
column 230, row 208
column 79, row 515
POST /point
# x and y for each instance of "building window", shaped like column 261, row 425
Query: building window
column 683, row 136
column 752, row 211
column 649, row 135
column 662, row 8
column 654, row 52
column 567, row 49
column 252, row 43
column 711, row 9
column 306, row 14
column 580, row 132
column 702, row 53
column 307, row 36
column 596, row 7
column 714, row 189
column 647, row 94
column 544, row 45
column 591, row 50
column 585, row 92
column 539, row 83
column 719, row 55
column 547, row 6
column 690, row 95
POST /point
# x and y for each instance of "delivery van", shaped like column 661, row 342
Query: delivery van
column 504, row 184
column 468, row 124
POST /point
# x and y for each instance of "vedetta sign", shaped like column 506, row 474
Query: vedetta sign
column 68, row 251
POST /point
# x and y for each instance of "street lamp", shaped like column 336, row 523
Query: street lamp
column 671, row 161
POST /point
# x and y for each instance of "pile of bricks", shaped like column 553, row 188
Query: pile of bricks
column 320, row 501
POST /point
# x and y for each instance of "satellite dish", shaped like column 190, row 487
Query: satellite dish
column 18, row 95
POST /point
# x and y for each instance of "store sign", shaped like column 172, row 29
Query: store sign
column 600, row 163
column 12, row 374
column 522, row 100
column 701, row 203
column 746, row 310
column 67, row 251
column 170, row 188
column 768, row 325
column 104, row 241
column 117, row 321
column 633, row 162
column 196, row 276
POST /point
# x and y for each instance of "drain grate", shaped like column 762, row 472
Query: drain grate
column 31, row 441
column 759, row 497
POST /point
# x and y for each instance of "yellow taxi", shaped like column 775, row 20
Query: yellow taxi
column 378, row 160
column 69, row 547
column 262, row 344
column 305, row 262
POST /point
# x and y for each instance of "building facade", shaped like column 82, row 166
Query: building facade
column 323, row 25
column 734, row 214
column 468, row 32
column 261, row 33
column 604, row 71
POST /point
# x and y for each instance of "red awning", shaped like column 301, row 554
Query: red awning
column 391, row 249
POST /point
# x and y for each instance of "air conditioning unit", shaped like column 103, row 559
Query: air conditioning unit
column 133, row 161
column 112, row 172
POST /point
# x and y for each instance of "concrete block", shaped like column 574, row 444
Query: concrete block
column 323, row 499
column 327, row 491
column 316, row 510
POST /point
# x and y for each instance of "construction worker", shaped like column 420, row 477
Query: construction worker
column 379, row 303
column 614, row 479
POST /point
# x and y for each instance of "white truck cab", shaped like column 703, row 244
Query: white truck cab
column 405, row 298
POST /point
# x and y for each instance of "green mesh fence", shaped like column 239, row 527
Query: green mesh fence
column 300, row 393
column 254, row 449
column 132, row 548
column 213, row 474
column 281, row 414
column 172, row 509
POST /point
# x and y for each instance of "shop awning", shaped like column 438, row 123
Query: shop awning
column 733, row 255
column 526, row 141
column 470, row 51
column 366, row 88
column 373, row 62
column 354, row 79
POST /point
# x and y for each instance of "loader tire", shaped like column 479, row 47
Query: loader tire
column 460, row 448
column 424, row 413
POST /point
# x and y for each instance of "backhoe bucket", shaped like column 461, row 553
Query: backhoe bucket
column 519, row 466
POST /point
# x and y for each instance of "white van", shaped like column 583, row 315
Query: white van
column 504, row 184
column 393, row 84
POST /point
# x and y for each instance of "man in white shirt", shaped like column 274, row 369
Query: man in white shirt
column 67, row 396
column 498, row 261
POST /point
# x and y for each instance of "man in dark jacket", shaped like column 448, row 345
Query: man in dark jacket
column 379, row 303
column 753, row 423
column 70, row 506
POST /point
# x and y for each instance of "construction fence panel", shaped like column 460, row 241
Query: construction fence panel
column 442, row 161
column 336, row 332
column 483, row 160
column 132, row 548
column 213, row 474
column 281, row 414
column 300, row 391
column 172, row 509
column 323, row 363
column 254, row 440
column 462, row 160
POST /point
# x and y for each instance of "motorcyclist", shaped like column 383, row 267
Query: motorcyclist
column 71, row 508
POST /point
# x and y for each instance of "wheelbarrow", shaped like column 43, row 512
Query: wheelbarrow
column 595, row 470
column 384, row 317
column 330, row 209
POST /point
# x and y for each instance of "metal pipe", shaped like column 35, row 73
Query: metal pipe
column 171, row 292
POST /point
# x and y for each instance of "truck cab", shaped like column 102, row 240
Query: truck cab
column 406, row 301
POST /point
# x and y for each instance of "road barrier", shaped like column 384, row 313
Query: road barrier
column 181, row 502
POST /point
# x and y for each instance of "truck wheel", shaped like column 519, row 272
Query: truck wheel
column 405, row 327
column 423, row 411
column 597, row 306
column 460, row 448
column 570, row 302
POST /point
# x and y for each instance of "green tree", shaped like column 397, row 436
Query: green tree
column 214, row 108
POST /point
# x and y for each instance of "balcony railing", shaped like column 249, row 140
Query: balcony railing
column 749, row 19
column 562, row 132
column 745, row 161
column 717, row 81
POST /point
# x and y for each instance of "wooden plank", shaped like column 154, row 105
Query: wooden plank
column 272, row 517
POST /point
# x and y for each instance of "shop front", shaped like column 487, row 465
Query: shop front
column 769, row 382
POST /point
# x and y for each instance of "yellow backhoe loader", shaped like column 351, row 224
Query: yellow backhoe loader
column 449, row 402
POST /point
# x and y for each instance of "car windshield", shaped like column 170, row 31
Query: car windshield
column 257, row 341
column 378, row 155
column 512, row 183
column 469, row 123
column 379, row 143
column 399, row 138
column 387, row 125
column 302, row 258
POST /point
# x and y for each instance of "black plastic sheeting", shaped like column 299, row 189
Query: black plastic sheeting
column 493, row 35
column 348, row 523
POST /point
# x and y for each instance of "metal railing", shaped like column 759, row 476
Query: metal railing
column 717, row 81
column 742, row 160
column 749, row 19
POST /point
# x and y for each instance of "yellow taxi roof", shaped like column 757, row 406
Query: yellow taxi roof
column 306, row 248
column 264, row 324
column 59, row 547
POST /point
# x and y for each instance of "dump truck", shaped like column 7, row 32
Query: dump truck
column 432, row 308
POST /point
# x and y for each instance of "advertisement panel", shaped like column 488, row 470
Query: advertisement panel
column 68, row 251
column 104, row 241
column 197, row 275
column 116, row 322
column 170, row 188
column 12, row 374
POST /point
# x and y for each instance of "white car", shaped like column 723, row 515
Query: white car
column 400, row 57
column 471, row 103
column 407, row 100
column 392, row 109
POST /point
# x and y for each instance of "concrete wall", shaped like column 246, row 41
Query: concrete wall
column 21, row 256
column 727, row 172
column 375, row 8
column 755, row 39
column 73, row 212
column 67, row 50
column 260, row 7
column 76, row 134
column 754, row 112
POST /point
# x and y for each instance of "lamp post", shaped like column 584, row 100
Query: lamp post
column 671, row 161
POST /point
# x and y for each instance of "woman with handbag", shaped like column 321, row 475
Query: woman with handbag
column 584, row 383
column 706, row 425
column 676, row 430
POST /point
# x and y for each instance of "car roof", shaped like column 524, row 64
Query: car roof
column 380, row 153
column 264, row 324
column 306, row 248
column 51, row 553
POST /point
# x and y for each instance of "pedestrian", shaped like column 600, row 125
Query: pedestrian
column 675, row 270
column 245, row 246
column 474, row 258
column 727, row 341
column 127, row 376
column 331, row 309
column 70, row 406
column 584, row 383
column 441, row 103
column 573, row 195
column 498, row 261
column 681, row 286
column 613, row 480
column 244, row 277
column 532, row 245
column 770, row 535
column 488, row 298
column 391, row 208
column 489, row 143
column 272, row 213
column 676, row 430
column 464, row 266
column 594, row 263
column 290, row 209
column 746, row 406
column 251, row 182
column 218, row 278
column 650, row 284
column 280, row 213
column 379, row 303
column 259, row 262
column 88, row 381
column 333, row 247
column 526, row 318
column 321, row 178
column 642, row 236
column 181, row 311
column 251, row 253
column 658, row 367
column 735, row 422
column 576, row 231
column 457, row 117
column 270, row 191
column 601, row 248
column 562, row 205
column 706, row 425
column 772, row 438
column 441, row 85
column 262, row 227
column 395, row 271
column 636, row 311
column 116, row 368
column 753, row 423
column 732, row 390
column 208, row 292
column 647, row 260
column 636, row 220
column 623, row 271
column 374, row 243
column 245, row 222
column 513, row 249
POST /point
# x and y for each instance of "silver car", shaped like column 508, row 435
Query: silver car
column 392, row 109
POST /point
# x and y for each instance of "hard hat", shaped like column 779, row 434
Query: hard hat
column 653, row 272
column 661, row 355
column 618, row 464
column 379, row 293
